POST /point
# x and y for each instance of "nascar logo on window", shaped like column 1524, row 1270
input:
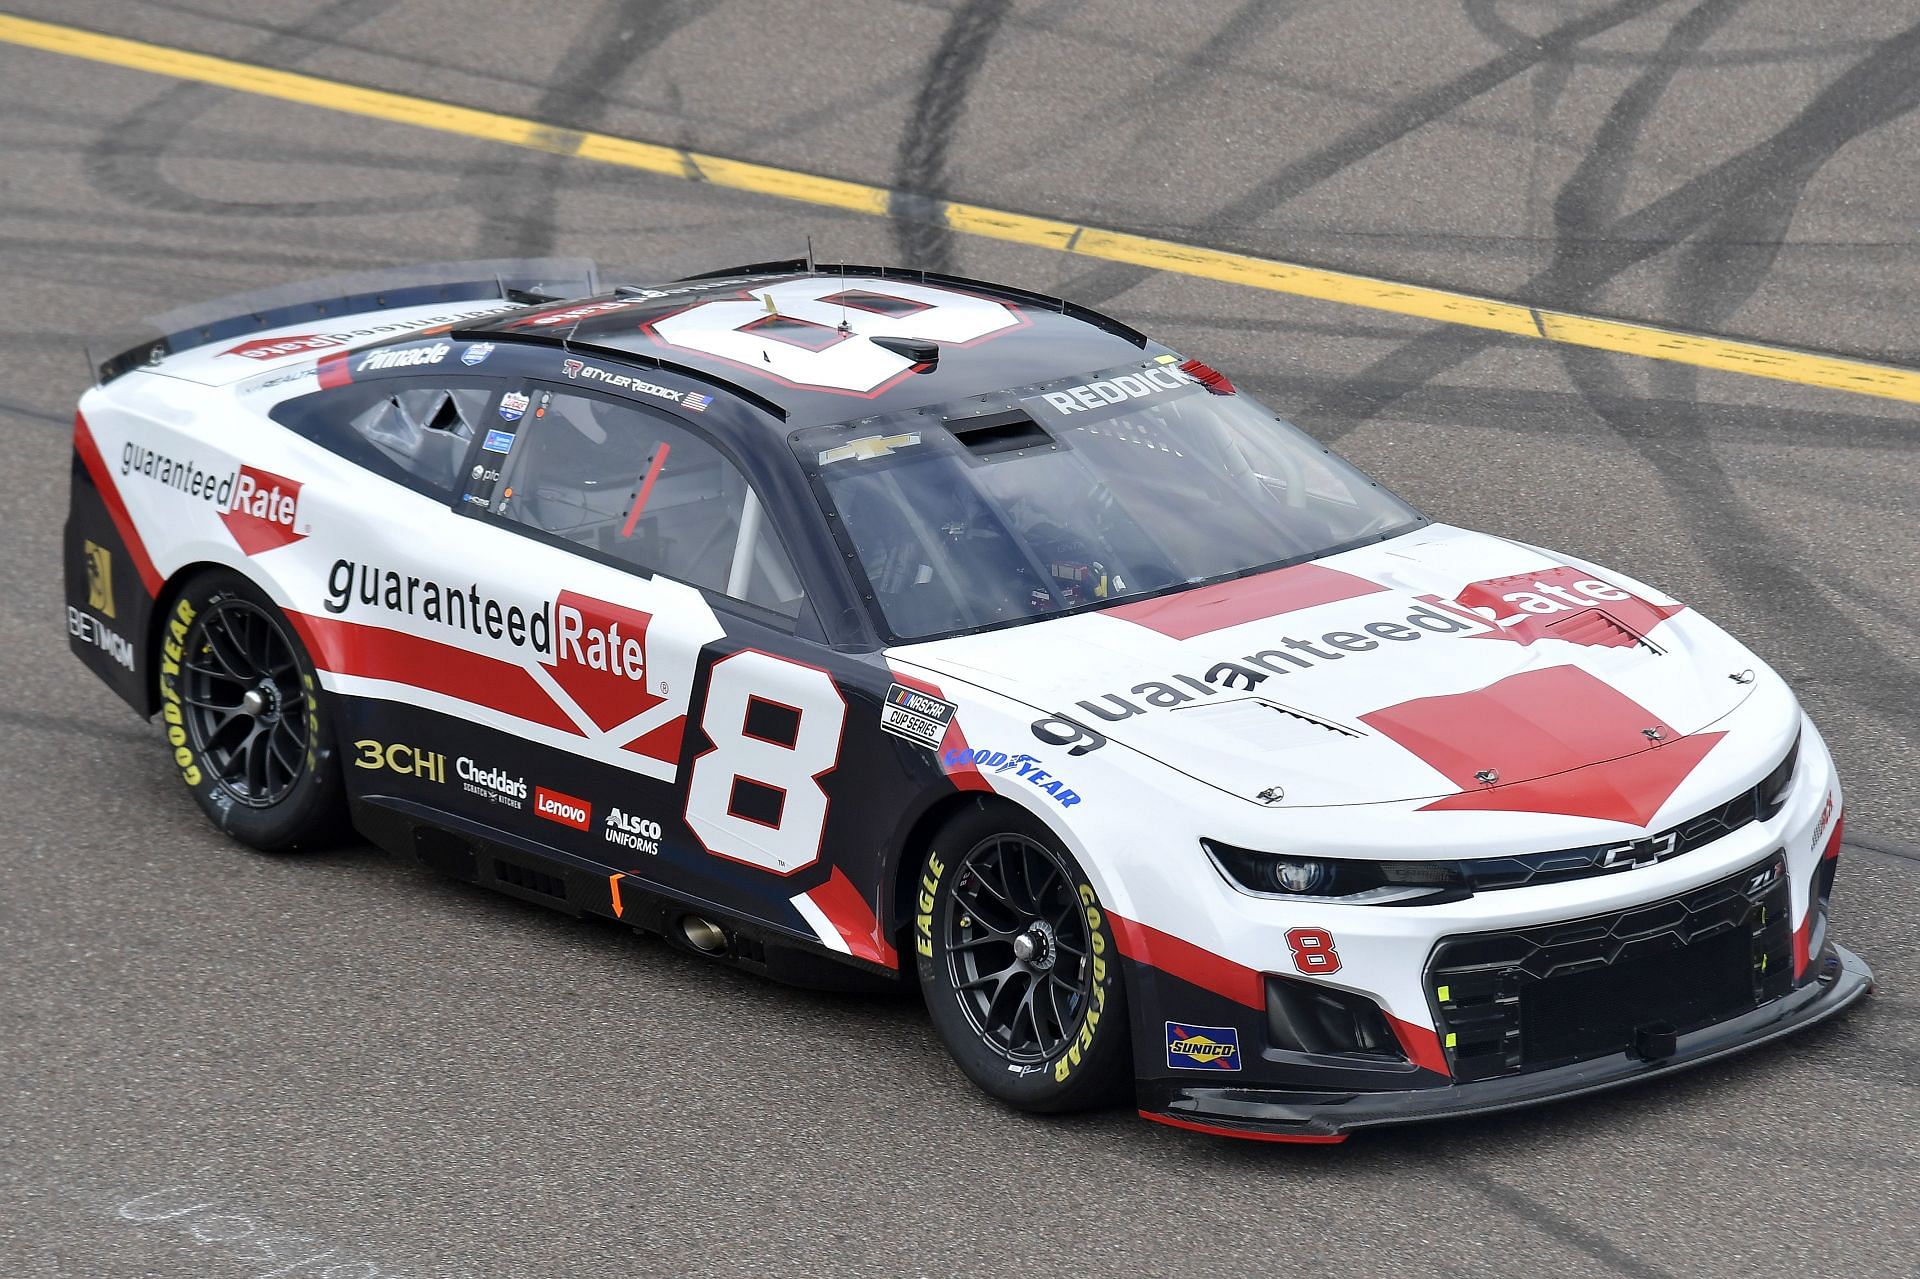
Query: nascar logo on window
column 1202, row 1047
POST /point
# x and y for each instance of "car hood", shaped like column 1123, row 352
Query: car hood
column 1442, row 664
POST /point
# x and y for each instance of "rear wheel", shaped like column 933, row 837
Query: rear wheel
column 1018, row 964
column 242, row 708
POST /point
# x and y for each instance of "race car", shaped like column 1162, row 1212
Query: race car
column 859, row 625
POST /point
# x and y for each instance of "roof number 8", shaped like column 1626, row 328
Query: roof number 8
column 801, row 341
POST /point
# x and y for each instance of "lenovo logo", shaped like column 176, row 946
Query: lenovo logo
column 564, row 809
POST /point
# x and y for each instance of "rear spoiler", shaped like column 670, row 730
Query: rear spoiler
column 515, row 281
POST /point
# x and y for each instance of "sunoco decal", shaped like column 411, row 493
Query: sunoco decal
column 1202, row 1047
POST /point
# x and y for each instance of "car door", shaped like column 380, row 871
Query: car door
column 677, row 647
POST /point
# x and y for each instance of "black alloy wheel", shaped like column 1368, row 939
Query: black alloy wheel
column 1017, row 948
column 1018, row 963
column 245, row 706
column 244, row 717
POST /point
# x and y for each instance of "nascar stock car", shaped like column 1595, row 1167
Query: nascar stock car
column 866, row 625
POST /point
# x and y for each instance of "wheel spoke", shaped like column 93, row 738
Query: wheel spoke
column 974, row 943
column 227, row 648
column 291, row 766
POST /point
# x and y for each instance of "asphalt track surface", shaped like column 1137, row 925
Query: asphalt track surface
column 383, row 1073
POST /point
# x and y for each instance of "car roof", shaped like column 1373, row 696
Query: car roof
column 770, row 345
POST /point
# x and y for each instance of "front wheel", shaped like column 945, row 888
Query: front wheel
column 242, row 710
column 1018, row 964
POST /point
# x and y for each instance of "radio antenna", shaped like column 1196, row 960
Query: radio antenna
column 809, row 255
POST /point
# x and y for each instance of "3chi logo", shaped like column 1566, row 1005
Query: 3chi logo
column 398, row 757
column 1640, row 852
column 262, row 513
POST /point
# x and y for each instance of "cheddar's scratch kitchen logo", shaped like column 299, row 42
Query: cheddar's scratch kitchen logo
column 595, row 651
column 260, row 509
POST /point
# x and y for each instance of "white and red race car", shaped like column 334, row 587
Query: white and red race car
column 860, row 624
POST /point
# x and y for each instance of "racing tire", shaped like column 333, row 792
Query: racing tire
column 1018, row 964
column 241, row 707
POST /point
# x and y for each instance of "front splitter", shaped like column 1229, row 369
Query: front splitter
column 1293, row 1115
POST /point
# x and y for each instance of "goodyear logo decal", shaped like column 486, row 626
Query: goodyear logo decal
column 1202, row 1047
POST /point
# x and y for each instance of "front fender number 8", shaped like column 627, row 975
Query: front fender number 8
column 755, row 797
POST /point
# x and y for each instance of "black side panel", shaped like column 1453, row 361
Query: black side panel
column 108, row 609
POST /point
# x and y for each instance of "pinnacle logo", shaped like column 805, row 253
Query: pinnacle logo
column 263, row 510
column 404, row 357
column 1564, row 604
column 600, row 658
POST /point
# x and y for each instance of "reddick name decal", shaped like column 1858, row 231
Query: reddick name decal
column 1101, row 397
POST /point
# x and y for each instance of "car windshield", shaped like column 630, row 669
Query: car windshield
column 1070, row 495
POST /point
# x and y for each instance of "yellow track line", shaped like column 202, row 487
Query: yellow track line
column 1754, row 359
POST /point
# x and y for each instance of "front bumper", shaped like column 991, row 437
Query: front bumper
column 1265, row 1114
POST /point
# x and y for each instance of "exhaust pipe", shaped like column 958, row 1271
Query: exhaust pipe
column 704, row 936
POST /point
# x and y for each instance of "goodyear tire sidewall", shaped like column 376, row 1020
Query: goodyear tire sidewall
column 311, row 814
column 1094, row 1067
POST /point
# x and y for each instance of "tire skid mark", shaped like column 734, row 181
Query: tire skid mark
column 127, row 159
column 516, row 198
column 920, row 179
column 1742, row 548
column 1595, row 1246
column 1868, row 94
column 1383, row 130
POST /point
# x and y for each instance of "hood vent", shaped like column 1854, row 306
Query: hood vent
column 1262, row 725
column 1598, row 628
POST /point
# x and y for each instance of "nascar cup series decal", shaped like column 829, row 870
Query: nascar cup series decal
column 1202, row 1047
column 919, row 717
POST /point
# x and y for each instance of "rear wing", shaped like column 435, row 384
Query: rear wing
column 345, row 301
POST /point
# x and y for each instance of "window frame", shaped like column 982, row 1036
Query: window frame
column 806, row 624
column 298, row 407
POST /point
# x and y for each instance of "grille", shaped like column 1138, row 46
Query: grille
column 1525, row 870
column 1530, row 998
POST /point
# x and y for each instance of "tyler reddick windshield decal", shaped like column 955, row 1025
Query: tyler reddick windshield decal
column 1104, row 397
